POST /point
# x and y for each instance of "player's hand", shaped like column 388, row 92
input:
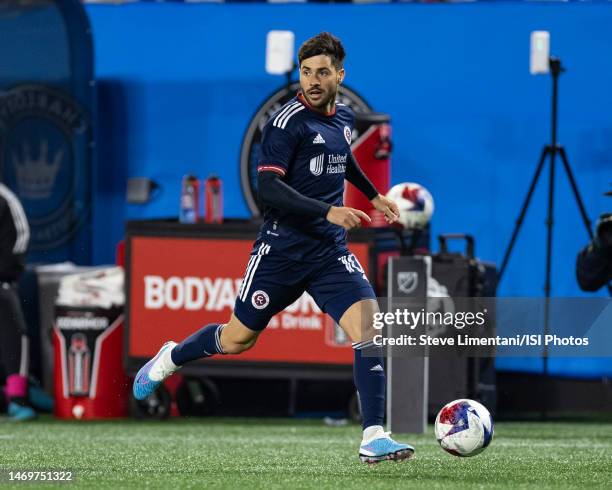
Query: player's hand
column 348, row 218
column 387, row 207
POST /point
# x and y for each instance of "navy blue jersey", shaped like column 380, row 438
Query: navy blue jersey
column 309, row 150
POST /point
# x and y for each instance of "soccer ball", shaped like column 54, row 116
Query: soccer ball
column 464, row 428
column 415, row 204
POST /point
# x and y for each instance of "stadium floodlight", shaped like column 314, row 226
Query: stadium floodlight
column 539, row 59
column 279, row 52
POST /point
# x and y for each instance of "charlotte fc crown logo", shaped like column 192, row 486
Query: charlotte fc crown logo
column 36, row 174
column 45, row 158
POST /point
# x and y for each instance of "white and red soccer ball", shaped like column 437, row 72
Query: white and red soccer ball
column 464, row 428
column 414, row 202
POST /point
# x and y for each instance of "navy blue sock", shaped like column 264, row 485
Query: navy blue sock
column 203, row 343
column 370, row 380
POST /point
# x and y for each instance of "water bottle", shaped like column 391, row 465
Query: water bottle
column 214, row 200
column 189, row 199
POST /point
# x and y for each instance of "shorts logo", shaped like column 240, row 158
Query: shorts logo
column 347, row 134
column 260, row 299
column 316, row 164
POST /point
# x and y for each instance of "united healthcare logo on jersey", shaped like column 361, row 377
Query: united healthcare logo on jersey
column 316, row 164
column 41, row 131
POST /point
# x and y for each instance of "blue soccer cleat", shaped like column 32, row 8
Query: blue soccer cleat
column 154, row 372
column 384, row 448
column 20, row 413
column 39, row 399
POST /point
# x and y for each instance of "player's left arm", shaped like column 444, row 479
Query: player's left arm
column 355, row 176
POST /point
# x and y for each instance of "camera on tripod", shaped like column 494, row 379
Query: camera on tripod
column 594, row 262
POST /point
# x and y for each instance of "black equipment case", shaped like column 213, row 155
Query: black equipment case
column 455, row 376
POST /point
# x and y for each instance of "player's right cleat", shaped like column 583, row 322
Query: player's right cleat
column 20, row 413
column 383, row 449
column 154, row 372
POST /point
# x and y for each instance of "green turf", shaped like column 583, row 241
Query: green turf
column 290, row 454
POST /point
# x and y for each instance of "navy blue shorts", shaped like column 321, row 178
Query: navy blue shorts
column 272, row 282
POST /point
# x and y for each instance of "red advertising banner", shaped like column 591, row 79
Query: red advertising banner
column 178, row 285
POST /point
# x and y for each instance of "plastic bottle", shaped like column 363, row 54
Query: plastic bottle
column 190, row 189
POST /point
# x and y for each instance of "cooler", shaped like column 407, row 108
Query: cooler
column 90, row 380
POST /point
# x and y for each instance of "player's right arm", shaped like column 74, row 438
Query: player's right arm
column 278, row 147
column 276, row 193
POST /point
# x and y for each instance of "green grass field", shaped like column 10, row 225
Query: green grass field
column 291, row 454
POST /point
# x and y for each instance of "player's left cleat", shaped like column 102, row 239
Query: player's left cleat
column 154, row 372
column 38, row 398
column 384, row 449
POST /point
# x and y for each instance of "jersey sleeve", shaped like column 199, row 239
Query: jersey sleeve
column 277, row 149
column 351, row 114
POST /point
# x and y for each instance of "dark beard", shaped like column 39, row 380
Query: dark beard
column 324, row 103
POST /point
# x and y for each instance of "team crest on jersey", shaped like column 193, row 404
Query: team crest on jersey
column 347, row 134
column 316, row 164
column 260, row 299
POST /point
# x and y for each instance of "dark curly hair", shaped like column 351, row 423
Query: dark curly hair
column 323, row 43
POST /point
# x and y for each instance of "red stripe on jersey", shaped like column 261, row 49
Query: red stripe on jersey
column 271, row 168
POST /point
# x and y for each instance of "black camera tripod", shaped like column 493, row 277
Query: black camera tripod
column 551, row 150
column 549, row 153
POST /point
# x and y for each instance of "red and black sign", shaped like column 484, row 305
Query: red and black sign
column 178, row 285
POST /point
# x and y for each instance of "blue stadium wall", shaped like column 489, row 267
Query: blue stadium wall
column 469, row 121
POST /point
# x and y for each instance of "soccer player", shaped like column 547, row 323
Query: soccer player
column 301, row 246
column 14, row 238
